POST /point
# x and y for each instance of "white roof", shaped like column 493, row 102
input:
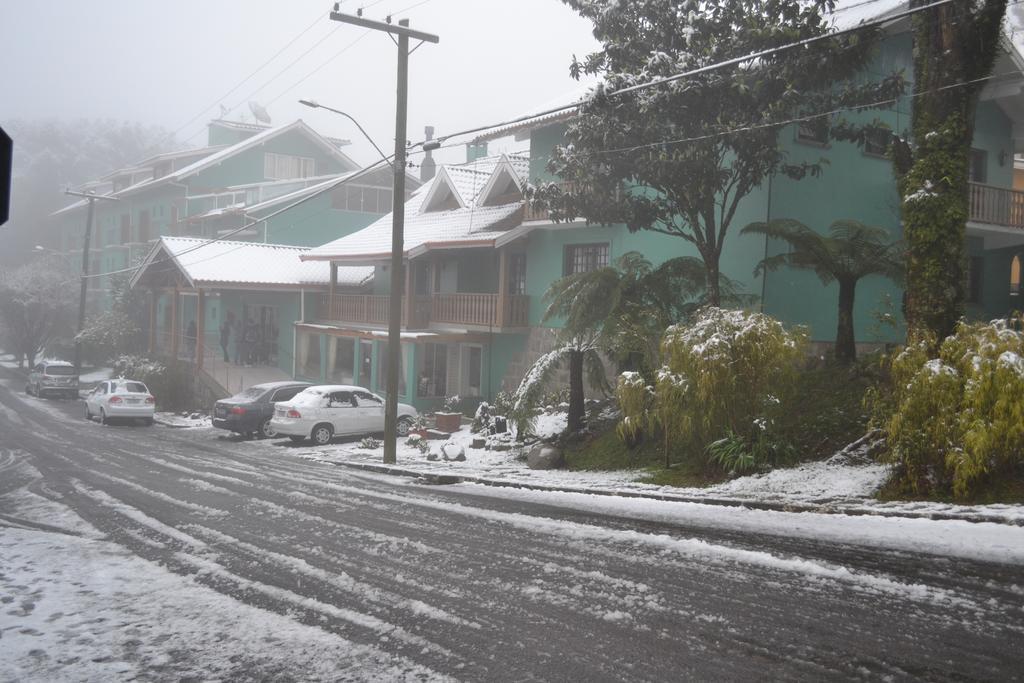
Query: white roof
column 204, row 261
column 471, row 225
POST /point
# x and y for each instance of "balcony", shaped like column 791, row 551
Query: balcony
column 475, row 310
column 533, row 213
column 996, row 206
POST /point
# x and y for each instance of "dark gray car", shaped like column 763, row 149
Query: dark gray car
column 249, row 411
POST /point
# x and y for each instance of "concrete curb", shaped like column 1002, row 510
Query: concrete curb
column 436, row 479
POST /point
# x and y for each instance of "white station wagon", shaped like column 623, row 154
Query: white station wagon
column 320, row 413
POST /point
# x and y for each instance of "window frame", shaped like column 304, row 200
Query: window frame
column 569, row 259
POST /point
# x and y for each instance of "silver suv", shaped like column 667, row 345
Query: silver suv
column 53, row 377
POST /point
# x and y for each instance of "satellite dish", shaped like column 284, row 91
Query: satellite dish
column 259, row 112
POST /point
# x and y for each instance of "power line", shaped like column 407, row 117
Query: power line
column 319, row 68
column 242, row 82
column 442, row 142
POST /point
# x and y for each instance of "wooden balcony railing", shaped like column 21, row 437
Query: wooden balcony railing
column 533, row 213
column 996, row 205
column 454, row 309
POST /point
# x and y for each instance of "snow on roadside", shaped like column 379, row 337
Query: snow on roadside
column 970, row 540
column 190, row 421
column 95, row 375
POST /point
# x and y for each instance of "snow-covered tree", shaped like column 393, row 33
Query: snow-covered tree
column 679, row 158
column 117, row 330
column 850, row 252
column 37, row 306
column 955, row 46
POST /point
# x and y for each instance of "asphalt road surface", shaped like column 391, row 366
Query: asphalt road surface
column 483, row 588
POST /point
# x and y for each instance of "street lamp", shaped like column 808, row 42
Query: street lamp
column 313, row 104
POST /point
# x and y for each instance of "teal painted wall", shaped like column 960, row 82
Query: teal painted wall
column 247, row 166
column 313, row 223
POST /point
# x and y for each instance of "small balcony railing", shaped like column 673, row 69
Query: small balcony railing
column 480, row 310
column 534, row 213
column 996, row 206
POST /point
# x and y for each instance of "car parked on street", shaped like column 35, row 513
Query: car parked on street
column 249, row 412
column 51, row 377
column 120, row 398
column 322, row 412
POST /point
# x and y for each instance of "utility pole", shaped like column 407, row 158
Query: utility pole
column 91, row 197
column 394, row 351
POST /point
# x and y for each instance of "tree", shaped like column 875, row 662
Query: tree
column 679, row 158
column 118, row 331
column 955, row 46
column 850, row 252
column 51, row 154
column 620, row 311
column 37, row 306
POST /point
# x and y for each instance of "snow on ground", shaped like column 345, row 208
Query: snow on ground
column 191, row 421
column 75, row 607
column 95, row 375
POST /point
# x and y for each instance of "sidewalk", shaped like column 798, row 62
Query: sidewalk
column 829, row 487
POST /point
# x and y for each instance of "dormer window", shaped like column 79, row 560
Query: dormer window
column 442, row 195
column 502, row 187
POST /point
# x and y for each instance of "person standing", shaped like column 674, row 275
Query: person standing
column 225, row 336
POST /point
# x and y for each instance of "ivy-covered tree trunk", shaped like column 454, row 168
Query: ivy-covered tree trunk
column 576, row 400
column 846, row 348
column 954, row 46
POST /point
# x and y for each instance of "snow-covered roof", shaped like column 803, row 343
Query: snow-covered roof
column 472, row 224
column 223, row 262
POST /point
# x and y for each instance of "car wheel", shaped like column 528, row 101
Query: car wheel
column 404, row 426
column 297, row 439
column 103, row 417
column 322, row 434
column 267, row 430
column 88, row 413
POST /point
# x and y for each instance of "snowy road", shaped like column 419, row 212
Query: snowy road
column 131, row 552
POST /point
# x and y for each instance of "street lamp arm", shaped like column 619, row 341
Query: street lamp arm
column 316, row 105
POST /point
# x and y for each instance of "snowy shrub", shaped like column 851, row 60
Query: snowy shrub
column 418, row 442
column 531, row 389
column 369, row 443
column 482, row 419
column 171, row 384
column 728, row 372
column 453, row 404
column 958, row 418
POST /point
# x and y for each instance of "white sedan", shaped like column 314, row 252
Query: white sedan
column 320, row 413
column 120, row 398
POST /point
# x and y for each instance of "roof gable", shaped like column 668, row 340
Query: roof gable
column 503, row 187
column 442, row 195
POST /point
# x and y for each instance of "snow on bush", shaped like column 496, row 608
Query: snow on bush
column 958, row 418
column 728, row 373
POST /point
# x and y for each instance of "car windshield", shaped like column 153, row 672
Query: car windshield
column 60, row 370
column 130, row 388
column 250, row 394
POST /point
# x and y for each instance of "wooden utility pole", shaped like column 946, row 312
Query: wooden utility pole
column 91, row 197
column 394, row 349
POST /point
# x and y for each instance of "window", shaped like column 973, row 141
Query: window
column 126, row 228
column 978, row 171
column 814, row 132
column 382, row 368
column 365, row 398
column 517, row 274
column 1015, row 276
column 475, row 358
column 876, row 144
column 308, row 358
column 341, row 360
column 144, row 226
column 433, row 379
column 974, row 273
column 285, row 394
column 286, row 166
column 341, row 399
column 362, row 199
column 583, row 258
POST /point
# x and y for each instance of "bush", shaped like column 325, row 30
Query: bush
column 170, row 384
column 958, row 419
column 730, row 373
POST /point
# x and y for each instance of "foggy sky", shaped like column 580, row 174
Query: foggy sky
column 163, row 62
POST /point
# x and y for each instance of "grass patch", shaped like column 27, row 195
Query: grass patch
column 827, row 410
column 606, row 451
column 1005, row 489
